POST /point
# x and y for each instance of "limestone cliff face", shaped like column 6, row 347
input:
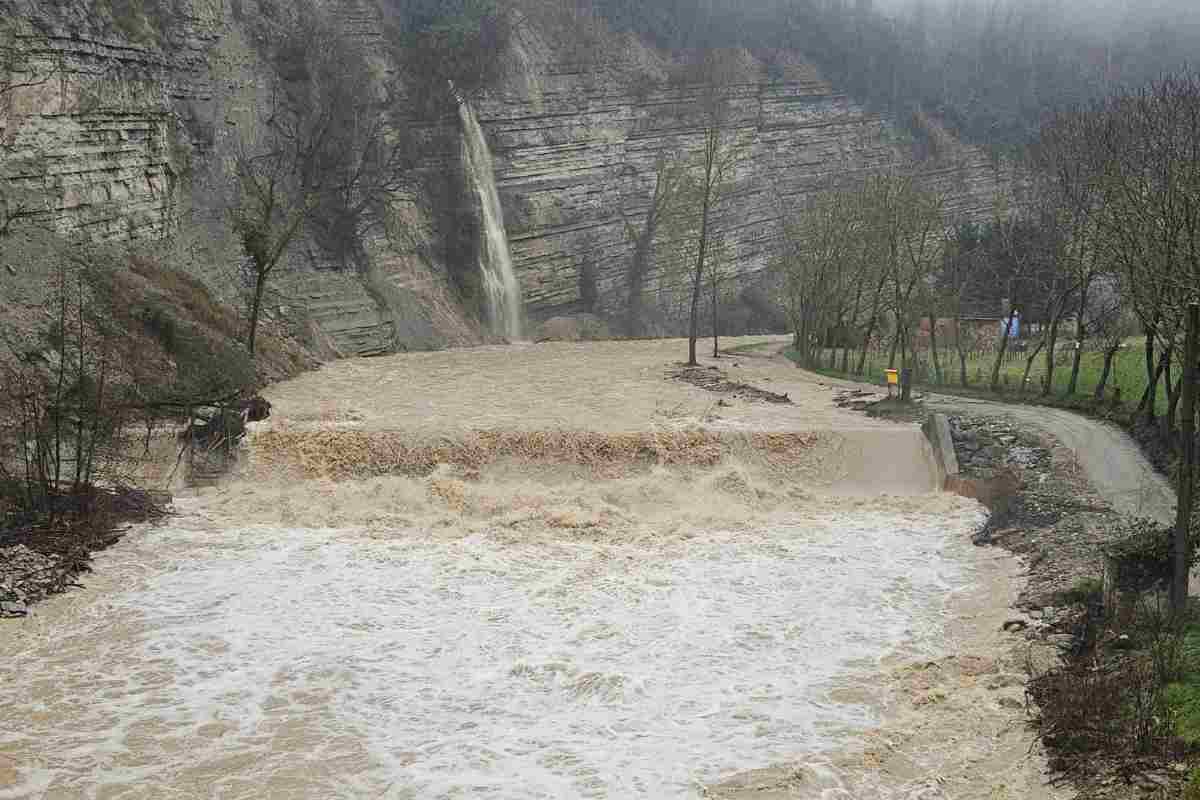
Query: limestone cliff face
column 126, row 130
column 576, row 155
column 119, row 132
column 86, row 121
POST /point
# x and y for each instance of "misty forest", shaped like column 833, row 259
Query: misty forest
column 599, row 398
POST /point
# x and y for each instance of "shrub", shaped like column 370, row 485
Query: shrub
column 1137, row 704
column 442, row 41
column 1084, row 590
column 1191, row 790
column 1143, row 553
column 1183, row 699
column 144, row 21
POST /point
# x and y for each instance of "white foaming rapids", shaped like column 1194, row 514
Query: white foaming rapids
column 215, row 660
column 495, row 261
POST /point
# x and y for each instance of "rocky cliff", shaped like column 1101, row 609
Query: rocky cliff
column 121, row 128
column 577, row 159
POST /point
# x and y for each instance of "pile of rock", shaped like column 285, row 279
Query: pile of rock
column 26, row 576
column 985, row 445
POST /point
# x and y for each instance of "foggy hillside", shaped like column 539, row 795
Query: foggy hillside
column 990, row 70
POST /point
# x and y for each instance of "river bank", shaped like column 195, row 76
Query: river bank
column 40, row 557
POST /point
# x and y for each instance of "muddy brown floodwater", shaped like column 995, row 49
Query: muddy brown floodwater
column 805, row 620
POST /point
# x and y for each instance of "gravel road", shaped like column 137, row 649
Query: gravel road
column 1111, row 460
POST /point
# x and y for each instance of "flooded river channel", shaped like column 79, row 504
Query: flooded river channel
column 550, row 631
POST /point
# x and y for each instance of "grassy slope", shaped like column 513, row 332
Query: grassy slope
column 1128, row 374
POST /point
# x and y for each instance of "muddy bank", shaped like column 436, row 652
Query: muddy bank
column 1049, row 513
column 40, row 557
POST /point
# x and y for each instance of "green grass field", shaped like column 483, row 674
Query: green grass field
column 1128, row 373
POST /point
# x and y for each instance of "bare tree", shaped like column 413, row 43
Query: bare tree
column 719, row 156
column 329, row 157
column 276, row 198
column 1110, row 323
column 817, row 264
column 719, row 276
column 670, row 180
column 921, row 233
column 903, row 221
column 1018, row 260
column 1142, row 149
column 962, row 263
column 1069, row 181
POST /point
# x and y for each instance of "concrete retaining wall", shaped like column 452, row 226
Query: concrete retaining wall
column 937, row 431
column 995, row 492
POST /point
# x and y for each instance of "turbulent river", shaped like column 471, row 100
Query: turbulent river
column 578, row 635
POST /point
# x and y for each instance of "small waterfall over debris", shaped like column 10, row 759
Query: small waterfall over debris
column 495, row 263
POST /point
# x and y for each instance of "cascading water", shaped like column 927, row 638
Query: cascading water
column 542, row 629
column 495, row 262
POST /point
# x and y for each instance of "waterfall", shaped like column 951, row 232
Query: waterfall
column 495, row 262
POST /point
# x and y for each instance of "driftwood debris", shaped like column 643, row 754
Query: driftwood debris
column 713, row 380
column 41, row 556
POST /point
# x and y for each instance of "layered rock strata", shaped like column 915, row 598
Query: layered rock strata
column 119, row 138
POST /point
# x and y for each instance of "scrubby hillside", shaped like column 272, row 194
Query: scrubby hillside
column 157, row 327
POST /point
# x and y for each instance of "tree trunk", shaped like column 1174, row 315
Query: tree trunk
column 1109, row 355
column 716, row 323
column 1181, row 545
column 1150, row 395
column 846, row 333
column 1167, row 422
column 805, row 346
column 866, row 342
column 1051, row 345
column 933, row 349
column 1029, row 363
column 895, row 347
column 1077, row 359
column 995, row 384
column 1150, row 398
column 255, row 305
column 962, row 352
column 698, row 280
column 1174, row 392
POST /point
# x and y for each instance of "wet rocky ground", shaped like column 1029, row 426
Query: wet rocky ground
column 26, row 576
column 41, row 557
column 1053, row 518
column 1061, row 527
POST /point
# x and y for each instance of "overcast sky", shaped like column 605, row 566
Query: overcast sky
column 1089, row 13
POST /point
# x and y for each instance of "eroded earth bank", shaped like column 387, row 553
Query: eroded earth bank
column 549, row 570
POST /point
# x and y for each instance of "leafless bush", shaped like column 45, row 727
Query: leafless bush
column 1115, row 704
column 63, row 414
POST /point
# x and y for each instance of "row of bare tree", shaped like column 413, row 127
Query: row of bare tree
column 1123, row 175
column 858, row 260
column 1103, row 239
